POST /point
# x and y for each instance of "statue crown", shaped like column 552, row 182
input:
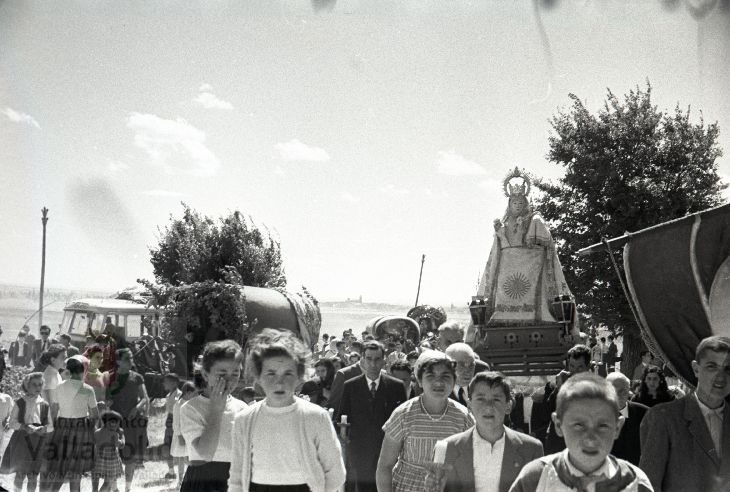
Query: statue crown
column 518, row 189
column 521, row 189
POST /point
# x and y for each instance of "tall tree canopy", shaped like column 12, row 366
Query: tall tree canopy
column 194, row 248
column 627, row 167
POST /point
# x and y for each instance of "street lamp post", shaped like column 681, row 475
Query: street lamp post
column 44, row 219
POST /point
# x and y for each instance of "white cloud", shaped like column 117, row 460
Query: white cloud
column 491, row 185
column 349, row 197
column 117, row 166
column 391, row 189
column 162, row 193
column 18, row 117
column 205, row 87
column 454, row 164
column 210, row 101
column 279, row 171
column 296, row 150
column 175, row 145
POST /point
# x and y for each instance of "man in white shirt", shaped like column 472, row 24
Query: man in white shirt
column 489, row 456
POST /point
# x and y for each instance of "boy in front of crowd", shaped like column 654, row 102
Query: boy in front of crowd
column 587, row 416
column 488, row 456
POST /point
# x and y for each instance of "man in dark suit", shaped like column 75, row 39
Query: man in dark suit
column 611, row 355
column 368, row 400
column 338, row 383
column 627, row 445
column 402, row 370
column 42, row 344
column 500, row 452
column 467, row 365
column 20, row 351
column 685, row 444
column 579, row 360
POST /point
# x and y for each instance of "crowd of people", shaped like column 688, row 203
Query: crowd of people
column 368, row 415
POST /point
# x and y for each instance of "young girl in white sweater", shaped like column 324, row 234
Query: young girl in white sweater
column 283, row 443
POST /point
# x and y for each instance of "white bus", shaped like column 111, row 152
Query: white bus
column 91, row 316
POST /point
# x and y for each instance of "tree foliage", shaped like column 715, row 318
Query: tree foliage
column 214, row 309
column 627, row 167
column 200, row 266
column 194, row 249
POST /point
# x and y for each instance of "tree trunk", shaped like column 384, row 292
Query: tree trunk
column 633, row 346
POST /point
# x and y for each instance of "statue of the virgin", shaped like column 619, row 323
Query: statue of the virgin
column 523, row 274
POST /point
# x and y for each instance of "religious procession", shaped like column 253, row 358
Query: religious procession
column 413, row 403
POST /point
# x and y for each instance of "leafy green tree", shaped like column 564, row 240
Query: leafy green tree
column 200, row 267
column 194, row 248
column 627, row 167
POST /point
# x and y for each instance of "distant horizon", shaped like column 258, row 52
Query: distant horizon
column 111, row 292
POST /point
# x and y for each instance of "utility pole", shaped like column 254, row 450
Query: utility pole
column 44, row 219
column 420, row 275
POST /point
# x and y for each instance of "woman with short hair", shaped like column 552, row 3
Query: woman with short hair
column 70, row 450
column 127, row 395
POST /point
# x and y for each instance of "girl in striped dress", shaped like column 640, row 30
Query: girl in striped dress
column 415, row 426
column 31, row 423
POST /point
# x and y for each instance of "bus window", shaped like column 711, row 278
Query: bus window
column 134, row 326
column 79, row 323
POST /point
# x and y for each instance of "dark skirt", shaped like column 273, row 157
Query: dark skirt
column 24, row 453
column 135, row 440
column 208, row 477
column 70, row 450
column 257, row 487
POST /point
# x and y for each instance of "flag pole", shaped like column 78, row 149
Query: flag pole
column 44, row 219
column 420, row 275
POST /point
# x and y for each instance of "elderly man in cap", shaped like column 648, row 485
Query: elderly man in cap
column 467, row 364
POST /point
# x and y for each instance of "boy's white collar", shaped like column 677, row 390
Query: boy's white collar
column 608, row 469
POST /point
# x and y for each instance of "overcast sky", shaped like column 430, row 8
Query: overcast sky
column 363, row 136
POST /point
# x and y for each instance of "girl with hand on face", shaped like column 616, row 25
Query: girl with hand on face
column 283, row 443
column 206, row 420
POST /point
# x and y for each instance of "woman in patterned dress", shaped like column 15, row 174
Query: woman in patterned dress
column 415, row 426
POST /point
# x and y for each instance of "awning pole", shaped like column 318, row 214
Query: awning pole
column 623, row 283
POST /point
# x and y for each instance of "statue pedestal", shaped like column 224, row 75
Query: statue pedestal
column 525, row 350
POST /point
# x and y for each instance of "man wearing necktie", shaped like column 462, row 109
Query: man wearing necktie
column 685, row 444
column 467, row 365
column 42, row 344
column 368, row 400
